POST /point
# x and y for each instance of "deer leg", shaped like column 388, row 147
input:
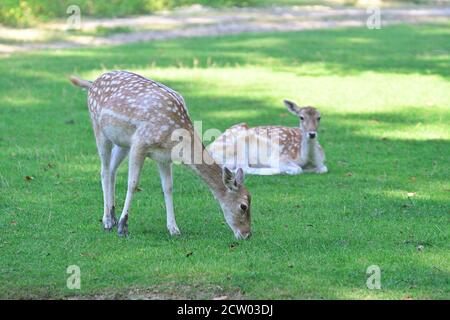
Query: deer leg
column 165, row 171
column 262, row 171
column 104, row 147
column 135, row 163
column 291, row 169
column 118, row 155
column 269, row 171
column 320, row 169
column 318, row 165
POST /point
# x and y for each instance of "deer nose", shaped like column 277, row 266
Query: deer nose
column 247, row 235
column 243, row 235
column 312, row 135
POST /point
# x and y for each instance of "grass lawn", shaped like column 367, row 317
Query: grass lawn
column 384, row 96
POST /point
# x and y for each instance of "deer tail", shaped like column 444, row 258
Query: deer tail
column 80, row 82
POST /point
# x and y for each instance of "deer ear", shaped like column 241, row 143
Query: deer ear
column 228, row 178
column 292, row 107
column 239, row 177
column 232, row 181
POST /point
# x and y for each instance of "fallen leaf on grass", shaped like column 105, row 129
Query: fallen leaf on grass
column 349, row 174
column 29, row 178
column 87, row 254
column 342, row 185
column 342, row 162
column 234, row 245
column 221, row 298
column 190, row 253
column 411, row 194
column 49, row 166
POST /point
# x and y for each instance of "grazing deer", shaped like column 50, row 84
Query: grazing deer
column 285, row 149
column 135, row 116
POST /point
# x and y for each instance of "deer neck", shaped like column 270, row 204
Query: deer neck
column 205, row 166
column 307, row 147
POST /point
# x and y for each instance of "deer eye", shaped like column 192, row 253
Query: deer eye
column 243, row 207
column 318, row 119
column 302, row 118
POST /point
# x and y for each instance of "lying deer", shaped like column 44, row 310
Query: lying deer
column 284, row 149
column 135, row 116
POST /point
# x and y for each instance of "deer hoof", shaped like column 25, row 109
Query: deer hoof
column 322, row 169
column 109, row 221
column 294, row 171
column 122, row 230
column 173, row 230
column 108, row 224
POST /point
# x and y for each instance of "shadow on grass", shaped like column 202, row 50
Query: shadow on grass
column 395, row 49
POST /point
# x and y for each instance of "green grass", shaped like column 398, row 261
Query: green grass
column 384, row 96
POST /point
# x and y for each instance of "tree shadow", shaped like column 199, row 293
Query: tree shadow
column 344, row 51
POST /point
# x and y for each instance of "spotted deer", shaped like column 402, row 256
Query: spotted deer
column 285, row 150
column 135, row 116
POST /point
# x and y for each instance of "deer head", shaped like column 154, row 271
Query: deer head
column 235, row 203
column 309, row 118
